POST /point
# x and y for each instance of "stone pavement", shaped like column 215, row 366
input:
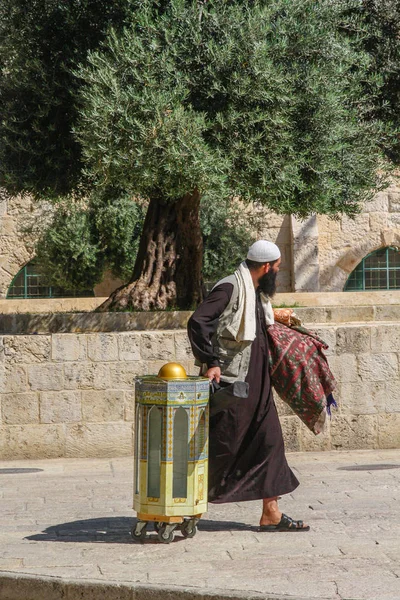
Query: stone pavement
column 68, row 525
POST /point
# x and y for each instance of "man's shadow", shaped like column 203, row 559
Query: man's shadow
column 117, row 530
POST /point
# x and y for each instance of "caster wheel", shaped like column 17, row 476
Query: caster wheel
column 138, row 531
column 165, row 536
column 157, row 525
column 188, row 529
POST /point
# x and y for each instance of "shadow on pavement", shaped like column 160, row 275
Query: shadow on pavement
column 116, row 530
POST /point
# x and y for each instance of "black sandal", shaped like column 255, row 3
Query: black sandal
column 285, row 524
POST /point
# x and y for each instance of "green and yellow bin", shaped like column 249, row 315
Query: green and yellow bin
column 171, row 453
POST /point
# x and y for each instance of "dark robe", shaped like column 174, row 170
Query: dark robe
column 247, row 456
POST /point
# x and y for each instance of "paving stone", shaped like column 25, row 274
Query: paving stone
column 69, row 524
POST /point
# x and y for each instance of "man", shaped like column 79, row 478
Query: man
column 228, row 334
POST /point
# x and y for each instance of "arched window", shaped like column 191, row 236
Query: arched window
column 28, row 283
column 380, row 270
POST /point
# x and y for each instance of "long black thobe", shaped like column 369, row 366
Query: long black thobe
column 247, row 456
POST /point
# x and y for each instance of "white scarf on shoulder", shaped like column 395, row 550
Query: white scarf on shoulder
column 243, row 325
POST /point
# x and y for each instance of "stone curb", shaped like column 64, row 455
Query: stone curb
column 26, row 323
column 17, row 586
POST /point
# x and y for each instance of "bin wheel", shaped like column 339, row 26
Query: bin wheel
column 165, row 535
column 157, row 525
column 188, row 529
column 138, row 531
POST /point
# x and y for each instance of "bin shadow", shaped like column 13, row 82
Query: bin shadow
column 116, row 530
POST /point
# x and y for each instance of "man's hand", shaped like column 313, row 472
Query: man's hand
column 214, row 373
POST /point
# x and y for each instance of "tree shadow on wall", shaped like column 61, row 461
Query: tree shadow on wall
column 116, row 530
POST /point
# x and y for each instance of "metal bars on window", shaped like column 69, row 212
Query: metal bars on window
column 380, row 270
column 28, row 283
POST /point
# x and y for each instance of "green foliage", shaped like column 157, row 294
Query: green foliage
column 225, row 237
column 380, row 37
column 68, row 252
column 85, row 239
column 276, row 102
column 260, row 100
column 41, row 41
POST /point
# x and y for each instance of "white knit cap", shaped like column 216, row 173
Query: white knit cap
column 263, row 252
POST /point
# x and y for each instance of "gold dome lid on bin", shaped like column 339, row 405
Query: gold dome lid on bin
column 172, row 370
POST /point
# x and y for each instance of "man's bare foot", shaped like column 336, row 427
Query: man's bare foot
column 271, row 515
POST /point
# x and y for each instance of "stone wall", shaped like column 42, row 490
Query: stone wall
column 326, row 251
column 19, row 218
column 318, row 253
column 19, row 226
column 72, row 394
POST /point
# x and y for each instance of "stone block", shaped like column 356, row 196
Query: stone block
column 20, row 409
column 389, row 431
column 346, row 314
column 100, row 406
column 355, row 432
column 378, row 221
column 2, row 354
column 15, row 587
column 378, row 367
column 348, row 261
column 306, row 279
column 60, row 407
column 379, row 203
column 344, row 367
column 129, row 406
column 86, row 376
column 183, row 350
column 8, row 226
column 123, row 375
column 46, row 377
column 283, row 409
column 67, row 347
column 388, row 312
column 385, row 338
column 268, row 220
column 99, row 440
column 394, row 220
column 328, row 335
column 394, row 201
column 327, row 225
column 3, row 206
column 362, row 398
column 360, row 224
column 309, row 442
column 291, row 433
column 190, row 367
column 26, row 348
column 158, row 346
column 104, row 591
column 284, row 281
column 309, row 315
column 32, row 441
column 353, row 339
column 392, row 404
column 103, row 347
column 15, row 378
column 129, row 346
column 304, row 228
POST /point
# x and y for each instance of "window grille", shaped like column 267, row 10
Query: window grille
column 380, row 270
column 28, row 283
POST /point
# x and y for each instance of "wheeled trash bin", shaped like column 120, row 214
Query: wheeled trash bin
column 171, row 453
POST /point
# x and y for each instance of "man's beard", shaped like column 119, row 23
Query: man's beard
column 267, row 283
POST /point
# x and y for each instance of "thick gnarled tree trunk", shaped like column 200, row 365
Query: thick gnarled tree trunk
column 168, row 266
